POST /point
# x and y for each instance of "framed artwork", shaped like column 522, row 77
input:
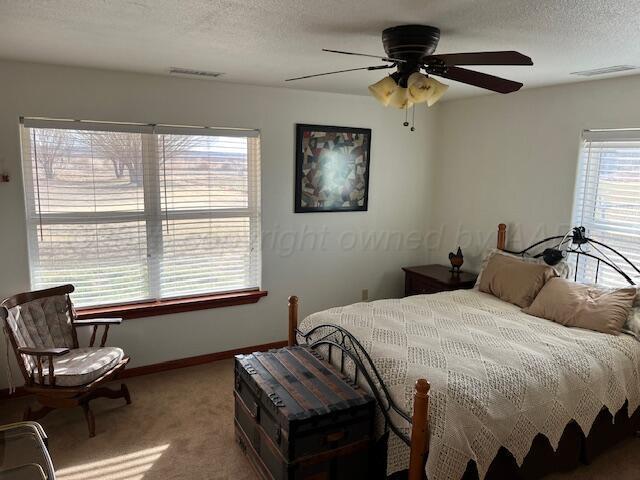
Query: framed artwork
column 332, row 168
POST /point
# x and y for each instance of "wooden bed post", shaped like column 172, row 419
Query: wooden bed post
column 293, row 320
column 502, row 236
column 419, row 430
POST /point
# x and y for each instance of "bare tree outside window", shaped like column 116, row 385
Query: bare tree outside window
column 125, row 151
column 52, row 148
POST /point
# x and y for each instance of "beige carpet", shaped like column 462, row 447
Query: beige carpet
column 180, row 426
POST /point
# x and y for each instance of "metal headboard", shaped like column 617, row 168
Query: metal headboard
column 575, row 243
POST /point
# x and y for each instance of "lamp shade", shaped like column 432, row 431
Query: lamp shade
column 383, row 90
column 420, row 88
column 438, row 89
column 400, row 98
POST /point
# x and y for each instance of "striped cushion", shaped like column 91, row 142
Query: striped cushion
column 42, row 323
column 82, row 365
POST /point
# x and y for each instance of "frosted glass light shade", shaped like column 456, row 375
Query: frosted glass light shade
column 383, row 90
column 420, row 88
column 438, row 89
column 400, row 98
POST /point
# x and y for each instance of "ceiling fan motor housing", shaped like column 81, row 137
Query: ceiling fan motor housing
column 410, row 43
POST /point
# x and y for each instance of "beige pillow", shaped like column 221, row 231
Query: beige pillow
column 563, row 269
column 585, row 306
column 513, row 280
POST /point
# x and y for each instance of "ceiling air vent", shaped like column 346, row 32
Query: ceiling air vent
column 193, row 73
column 604, row 71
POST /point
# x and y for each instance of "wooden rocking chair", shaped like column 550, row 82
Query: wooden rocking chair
column 41, row 327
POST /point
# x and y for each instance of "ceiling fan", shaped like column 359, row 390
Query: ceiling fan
column 410, row 50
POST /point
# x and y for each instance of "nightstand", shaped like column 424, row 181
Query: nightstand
column 435, row 278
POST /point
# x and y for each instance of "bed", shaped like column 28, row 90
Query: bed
column 463, row 378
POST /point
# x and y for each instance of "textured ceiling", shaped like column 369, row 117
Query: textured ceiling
column 264, row 41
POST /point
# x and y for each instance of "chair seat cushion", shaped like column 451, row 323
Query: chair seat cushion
column 82, row 365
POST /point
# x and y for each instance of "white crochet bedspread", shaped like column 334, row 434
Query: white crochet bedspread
column 498, row 376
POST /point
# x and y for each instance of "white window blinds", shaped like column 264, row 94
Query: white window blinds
column 129, row 213
column 607, row 201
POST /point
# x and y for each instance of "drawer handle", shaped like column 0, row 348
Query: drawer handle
column 335, row 436
column 255, row 411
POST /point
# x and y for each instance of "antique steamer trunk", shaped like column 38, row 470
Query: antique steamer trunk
column 296, row 417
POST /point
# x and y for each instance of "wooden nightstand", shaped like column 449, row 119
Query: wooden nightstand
column 435, row 278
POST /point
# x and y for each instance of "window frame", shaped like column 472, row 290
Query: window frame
column 585, row 198
column 130, row 311
column 154, row 214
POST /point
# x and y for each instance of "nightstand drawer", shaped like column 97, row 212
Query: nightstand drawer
column 416, row 285
column 427, row 279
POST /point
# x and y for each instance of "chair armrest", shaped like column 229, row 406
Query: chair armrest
column 43, row 352
column 97, row 321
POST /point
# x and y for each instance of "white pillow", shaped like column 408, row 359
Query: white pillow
column 633, row 321
column 562, row 269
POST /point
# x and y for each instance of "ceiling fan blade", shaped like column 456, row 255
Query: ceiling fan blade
column 386, row 59
column 377, row 67
column 507, row 57
column 479, row 79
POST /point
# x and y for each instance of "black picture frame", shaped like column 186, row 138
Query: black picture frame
column 354, row 198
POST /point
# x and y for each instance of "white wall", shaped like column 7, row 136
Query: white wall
column 513, row 158
column 471, row 164
column 398, row 195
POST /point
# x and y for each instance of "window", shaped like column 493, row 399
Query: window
column 607, row 199
column 134, row 213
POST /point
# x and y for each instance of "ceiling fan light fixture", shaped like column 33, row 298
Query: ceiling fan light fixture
column 383, row 90
column 420, row 88
column 400, row 98
column 438, row 89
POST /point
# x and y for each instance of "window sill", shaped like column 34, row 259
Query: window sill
column 180, row 305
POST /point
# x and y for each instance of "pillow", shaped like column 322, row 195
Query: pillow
column 585, row 306
column 633, row 320
column 563, row 269
column 513, row 280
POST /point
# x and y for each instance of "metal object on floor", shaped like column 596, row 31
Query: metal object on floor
column 24, row 453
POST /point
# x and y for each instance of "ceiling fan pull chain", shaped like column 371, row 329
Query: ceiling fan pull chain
column 413, row 119
column 406, row 117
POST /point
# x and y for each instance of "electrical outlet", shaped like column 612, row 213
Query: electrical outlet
column 365, row 294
